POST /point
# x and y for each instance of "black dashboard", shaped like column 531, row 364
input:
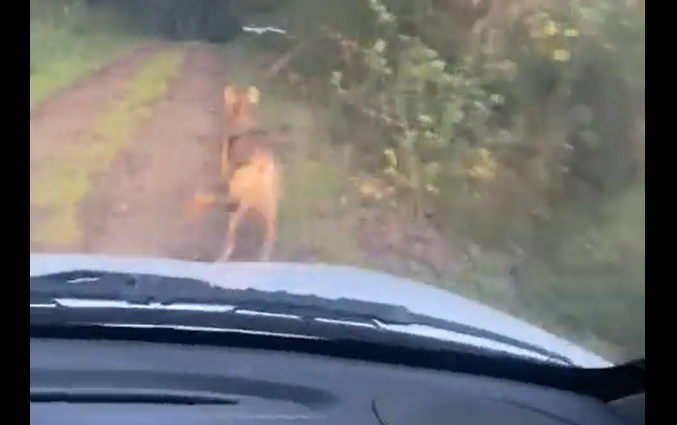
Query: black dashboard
column 77, row 382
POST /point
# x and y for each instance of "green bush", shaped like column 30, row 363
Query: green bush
column 528, row 132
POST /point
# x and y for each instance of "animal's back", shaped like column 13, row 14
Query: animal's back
column 256, row 184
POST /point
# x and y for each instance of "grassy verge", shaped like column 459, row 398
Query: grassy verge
column 323, row 217
column 61, row 186
column 61, row 53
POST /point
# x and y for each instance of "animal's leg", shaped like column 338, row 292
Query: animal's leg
column 270, row 236
column 231, row 234
column 223, row 164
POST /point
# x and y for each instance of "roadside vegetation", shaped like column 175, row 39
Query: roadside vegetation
column 501, row 156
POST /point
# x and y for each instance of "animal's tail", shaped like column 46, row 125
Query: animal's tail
column 267, row 167
column 197, row 205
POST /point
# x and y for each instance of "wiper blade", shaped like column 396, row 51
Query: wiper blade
column 149, row 289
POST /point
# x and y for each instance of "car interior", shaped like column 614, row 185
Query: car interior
column 147, row 376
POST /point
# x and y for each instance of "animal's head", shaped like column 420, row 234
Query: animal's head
column 241, row 102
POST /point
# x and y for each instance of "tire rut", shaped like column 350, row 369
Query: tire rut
column 137, row 209
column 58, row 123
column 70, row 112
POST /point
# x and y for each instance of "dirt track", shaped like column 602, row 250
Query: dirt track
column 136, row 207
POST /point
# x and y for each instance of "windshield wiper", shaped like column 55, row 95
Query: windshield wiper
column 312, row 313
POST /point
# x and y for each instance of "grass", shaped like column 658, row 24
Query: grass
column 592, row 292
column 315, row 215
column 60, row 187
column 61, row 54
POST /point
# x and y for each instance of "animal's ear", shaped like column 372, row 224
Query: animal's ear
column 230, row 96
column 253, row 95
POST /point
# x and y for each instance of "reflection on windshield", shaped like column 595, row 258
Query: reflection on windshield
column 495, row 149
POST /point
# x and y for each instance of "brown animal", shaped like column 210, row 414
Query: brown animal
column 253, row 187
column 253, row 184
column 240, row 117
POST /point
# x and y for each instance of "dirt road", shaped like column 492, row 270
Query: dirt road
column 132, row 202
column 135, row 207
column 59, row 122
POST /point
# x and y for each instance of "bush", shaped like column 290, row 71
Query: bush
column 524, row 127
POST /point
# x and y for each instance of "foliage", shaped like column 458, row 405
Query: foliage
column 524, row 127
column 69, row 40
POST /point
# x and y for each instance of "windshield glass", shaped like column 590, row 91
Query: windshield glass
column 492, row 149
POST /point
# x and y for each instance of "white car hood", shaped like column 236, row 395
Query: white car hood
column 332, row 282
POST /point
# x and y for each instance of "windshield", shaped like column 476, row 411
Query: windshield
column 492, row 149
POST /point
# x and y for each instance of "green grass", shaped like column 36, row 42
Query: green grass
column 60, row 187
column 592, row 291
column 63, row 52
column 315, row 213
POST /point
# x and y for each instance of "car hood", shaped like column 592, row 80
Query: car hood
column 331, row 282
